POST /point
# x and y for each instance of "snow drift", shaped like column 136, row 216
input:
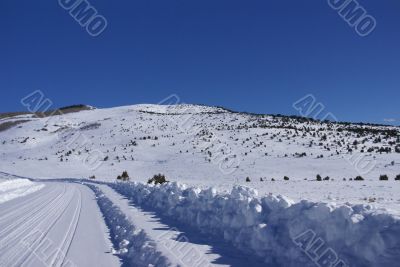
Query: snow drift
column 130, row 244
column 14, row 188
column 274, row 228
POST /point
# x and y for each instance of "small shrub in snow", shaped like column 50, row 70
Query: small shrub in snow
column 125, row 176
column 358, row 178
column 383, row 178
column 157, row 179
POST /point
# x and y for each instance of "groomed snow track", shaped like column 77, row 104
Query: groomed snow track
column 58, row 225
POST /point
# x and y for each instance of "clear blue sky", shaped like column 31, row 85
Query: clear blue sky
column 248, row 55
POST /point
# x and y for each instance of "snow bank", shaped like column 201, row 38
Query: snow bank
column 130, row 244
column 274, row 228
column 13, row 188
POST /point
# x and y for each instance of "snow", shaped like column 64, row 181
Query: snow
column 14, row 188
column 176, row 245
column 177, row 109
column 207, row 153
column 268, row 226
column 58, row 225
column 131, row 244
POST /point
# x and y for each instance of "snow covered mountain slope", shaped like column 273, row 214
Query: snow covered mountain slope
column 209, row 146
column 244, row 189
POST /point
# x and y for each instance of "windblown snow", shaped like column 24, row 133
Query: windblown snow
column 243, row 189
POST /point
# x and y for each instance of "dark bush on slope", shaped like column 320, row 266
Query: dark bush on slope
column 125, row 176
column 383, row 178
column 157, row 179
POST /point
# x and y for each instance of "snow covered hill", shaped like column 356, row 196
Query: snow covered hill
column 256, row 182
column 206, row 146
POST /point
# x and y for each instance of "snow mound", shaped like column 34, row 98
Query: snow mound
column 14, row 188
column 130, row 243
column 275, row 228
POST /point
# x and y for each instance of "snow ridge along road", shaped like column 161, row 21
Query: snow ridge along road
column 142, row 238
column 52, row 227
column 276, row 229
column 79, row 222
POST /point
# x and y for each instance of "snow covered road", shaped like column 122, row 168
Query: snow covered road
column 145, row 237
column 77, row 223
column 80, row 222
column 59, row 225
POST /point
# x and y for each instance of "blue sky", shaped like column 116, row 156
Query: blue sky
column 258, row 55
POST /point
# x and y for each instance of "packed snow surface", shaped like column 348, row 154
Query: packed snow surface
column 58, row 225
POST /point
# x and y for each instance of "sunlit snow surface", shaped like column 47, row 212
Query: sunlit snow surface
column 13, row 188
column 222, row 213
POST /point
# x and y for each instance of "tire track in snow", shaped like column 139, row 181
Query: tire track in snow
column 14, row 254
column 68, row 238
column 14, row 238
column 27, row 204
column 21, row 221
column 61, row 221
column 44, row 232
